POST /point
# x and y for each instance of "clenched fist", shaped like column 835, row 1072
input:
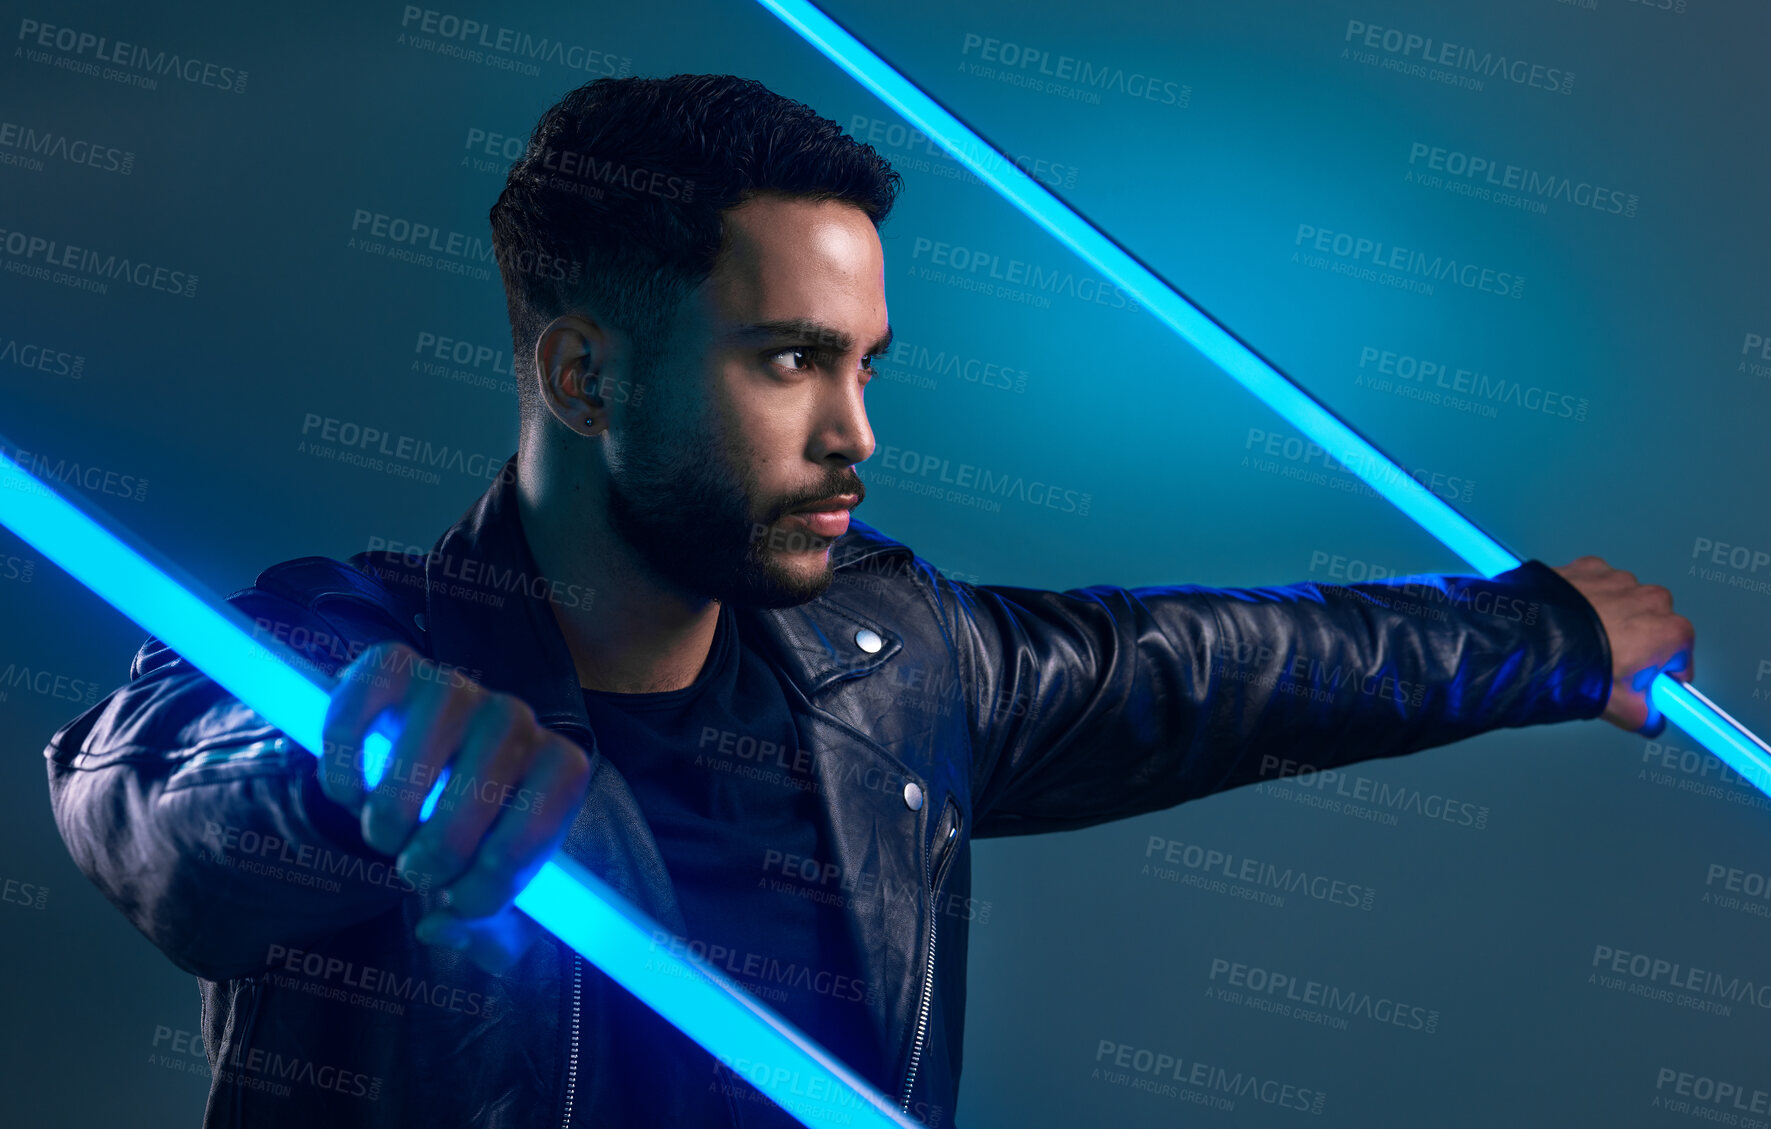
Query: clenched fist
column 512, row 790
column 1646, row 637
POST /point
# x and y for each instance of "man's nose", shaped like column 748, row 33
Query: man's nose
column 846, row 436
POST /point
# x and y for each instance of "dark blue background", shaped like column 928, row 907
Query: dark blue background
column 199, row 403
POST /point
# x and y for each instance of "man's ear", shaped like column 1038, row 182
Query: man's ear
column 570, row 356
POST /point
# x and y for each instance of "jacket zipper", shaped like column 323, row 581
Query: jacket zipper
column 574, row 731
column 581, row 734
column 928, row 972
column 572, row 1053
column 250, row 1026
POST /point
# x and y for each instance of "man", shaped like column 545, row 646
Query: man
column 660, row 643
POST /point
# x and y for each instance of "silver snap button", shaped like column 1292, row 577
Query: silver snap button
column 913, row 796
column 868, row 640
column 418, row 621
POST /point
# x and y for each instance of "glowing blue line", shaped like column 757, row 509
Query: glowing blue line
column 378, row 749
column 567, row 900
column 436, row 793
column 1684, row 707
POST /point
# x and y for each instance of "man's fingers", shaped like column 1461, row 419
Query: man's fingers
column 1628, row 708
column 489, row 758
column 494, row 943
column 522, row 839
column 511, row 789
column 429, row 733
column 366, row 688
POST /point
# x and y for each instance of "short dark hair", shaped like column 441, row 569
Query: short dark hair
column 616, row 202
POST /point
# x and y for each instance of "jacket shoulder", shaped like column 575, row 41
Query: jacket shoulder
column 869, row 565
column 324, row 608
column 380, row 592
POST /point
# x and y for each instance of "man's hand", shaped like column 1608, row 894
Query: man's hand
column 1646, row 639
column 513, row 790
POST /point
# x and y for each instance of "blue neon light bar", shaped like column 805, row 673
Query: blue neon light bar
column 1734, row 743
column 565, row 898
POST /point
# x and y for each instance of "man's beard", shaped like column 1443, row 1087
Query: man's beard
column 679, row 503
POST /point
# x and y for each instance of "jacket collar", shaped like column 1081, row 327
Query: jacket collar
column 487, row 609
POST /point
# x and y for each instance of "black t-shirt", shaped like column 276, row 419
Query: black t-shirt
column 732, row 799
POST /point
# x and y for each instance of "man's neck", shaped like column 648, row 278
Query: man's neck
column 634, row 633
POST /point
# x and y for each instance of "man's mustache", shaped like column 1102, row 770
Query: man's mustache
column 846, row 484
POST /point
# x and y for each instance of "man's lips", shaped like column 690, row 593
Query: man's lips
column 823, row 523
column 826, row 518
column 834, row 502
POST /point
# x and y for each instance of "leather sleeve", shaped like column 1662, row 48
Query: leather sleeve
column 206, row 825
column 1102, row 703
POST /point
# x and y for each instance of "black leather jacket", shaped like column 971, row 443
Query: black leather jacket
column 981, row 711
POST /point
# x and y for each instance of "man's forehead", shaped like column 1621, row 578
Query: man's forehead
column 811, row 271
column 784, row 239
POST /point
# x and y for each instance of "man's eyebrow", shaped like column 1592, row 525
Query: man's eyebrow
column 807, row 330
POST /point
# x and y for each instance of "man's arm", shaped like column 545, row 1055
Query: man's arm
column 1105, row 702
column 217, row 836
column 204, row 823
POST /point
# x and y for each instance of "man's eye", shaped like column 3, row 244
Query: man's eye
column 803, row 357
